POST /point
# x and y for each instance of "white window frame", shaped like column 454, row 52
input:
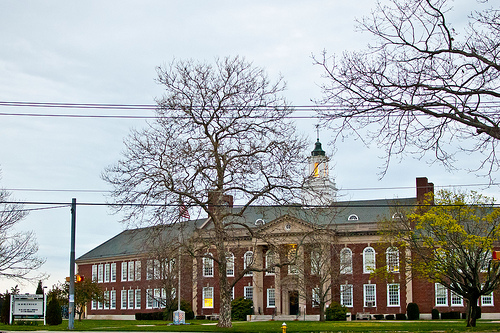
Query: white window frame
column 94, row 273
column 487, row 300
column 271, row 298
column 247, row 262
column 208, row 293
column 315, row 297
column 346, row 295
column 440, row 295
column 230, row 264
column 369, row 260
column 106, row 300
column 124, row 272
column 149, row 298
column 112, row 301
column 392, row 259
column 131, row 301
column 393, row 295
column 292, row 268
column 149, row 269
column 456, row 299
column 137, row 272
column 131, row 271
column 208, row 266
column 107, row 272
column 113, row 272
column 248, row 292
column 123, row 299
column 346, row 261
column 315, row 262
column 369, row 295
column 270, row 261
column 93, row 305
column 100, row 273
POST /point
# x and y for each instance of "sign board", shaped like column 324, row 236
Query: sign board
column 27, row 305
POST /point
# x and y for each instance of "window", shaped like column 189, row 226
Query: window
column 100, row 273
column 124, row 271
column 112, row 300
column 456, row 299
column 248, row 261
column 230, row 264
column 369, row 295
column 346, row 295
column 138, row 270
column 94, row 304
column 106, row 299
column 248, row 292
column 315, row 262
column 315, row 297
column 113, row 272
column 271, row 298
column 124, row 299
column 138, row 298
column 270, row 261
column 208, row 266
column 353, row 217
column 94, row 273
column 292, row 258
column 393, row 298
column 392, row 259
column 208, row 297
column 107, row 272
column 156, row 298
column 131, row 271
column 487, row 300
column 346, row 261
column 131, row 302
column 149, row 298
column 149, row 269
column 156, row 269
column 368, row 260
column 441, row 295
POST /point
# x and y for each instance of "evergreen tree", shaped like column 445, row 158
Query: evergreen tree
column 5, row 314
column 39, row 289
column 53, row 315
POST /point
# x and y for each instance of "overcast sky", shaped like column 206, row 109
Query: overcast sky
column 107, row 51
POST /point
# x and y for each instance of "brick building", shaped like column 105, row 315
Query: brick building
column 134, row 280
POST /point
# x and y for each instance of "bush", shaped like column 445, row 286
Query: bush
column 378, row 316
column 435, row 314
column 400, row 316
column 240, row 308
column 149, row 315
column 412, row 311
column 336, row 312
column 5, row 314
column 389, row 317
column 450, row 315
column 54, row 315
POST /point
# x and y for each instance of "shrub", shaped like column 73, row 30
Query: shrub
column 149, row 316
column 412, row 311
column 378, row 316
column 240, row 308
column 53, row 316
column 389, row 317
column 435, row 314
column 400, row 316
column 450, row 315
column 336, row 312
column 5, row 314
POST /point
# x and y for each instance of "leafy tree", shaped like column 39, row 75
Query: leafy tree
column 86, row 291
column 422, row 86
column 221, row 129
column 54, row 315
column 17, row 249
column 451, row 240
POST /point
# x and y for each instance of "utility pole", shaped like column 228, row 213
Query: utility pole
column 71, row 321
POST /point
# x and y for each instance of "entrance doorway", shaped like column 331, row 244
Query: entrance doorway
column 293, row 298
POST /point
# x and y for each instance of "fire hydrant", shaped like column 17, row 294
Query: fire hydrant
column 283, row 328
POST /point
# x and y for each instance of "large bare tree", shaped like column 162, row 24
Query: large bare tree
column 221, row 129
column 18, row 249
column 422, row 86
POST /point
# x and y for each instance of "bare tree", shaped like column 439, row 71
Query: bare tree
column 220, row 130
column 422, row 87
column 18, row 249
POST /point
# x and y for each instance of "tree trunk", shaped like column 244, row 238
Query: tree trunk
column 321, row 311
column 472, row 311
column 224, row 289
column 225, row 310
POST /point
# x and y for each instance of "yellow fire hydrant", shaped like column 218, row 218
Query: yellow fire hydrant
column 283, row 328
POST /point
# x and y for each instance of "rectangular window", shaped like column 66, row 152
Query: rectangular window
column 441, row 295
column 106, row 300
column 208, row 267
column 138, row 298
column 271, row 298
column 131, row 271
column 138, row 270
column 156, row 298
column 94, row 304
column 156, row 269
column 149, row 269
column 99, row 305
column 393, row 294
column 112, row 299
column 100, row 273
column 487, row 300
column 346, row 295
column 94, row 273
column 124, row 299
column 124, row 271
column 107, row 272
column 131, row 302
column 230, row 265
column 113, row 272
column 270, row 262
column 315, row 297
column 370, row 295
column 149, row 298
column 208, row 297
column 456, row 299
column 248, row 292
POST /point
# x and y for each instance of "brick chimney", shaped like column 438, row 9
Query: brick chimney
column 215, row 199
column 423, row 187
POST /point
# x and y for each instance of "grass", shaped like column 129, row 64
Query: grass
column 269, row 326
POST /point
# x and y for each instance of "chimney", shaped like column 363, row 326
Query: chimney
column 215, row 200
column 423, row 187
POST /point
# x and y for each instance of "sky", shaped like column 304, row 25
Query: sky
column 107, row 51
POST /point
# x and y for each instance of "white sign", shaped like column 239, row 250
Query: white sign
column 27, row 305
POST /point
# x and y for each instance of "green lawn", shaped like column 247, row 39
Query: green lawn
column 269, row 326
